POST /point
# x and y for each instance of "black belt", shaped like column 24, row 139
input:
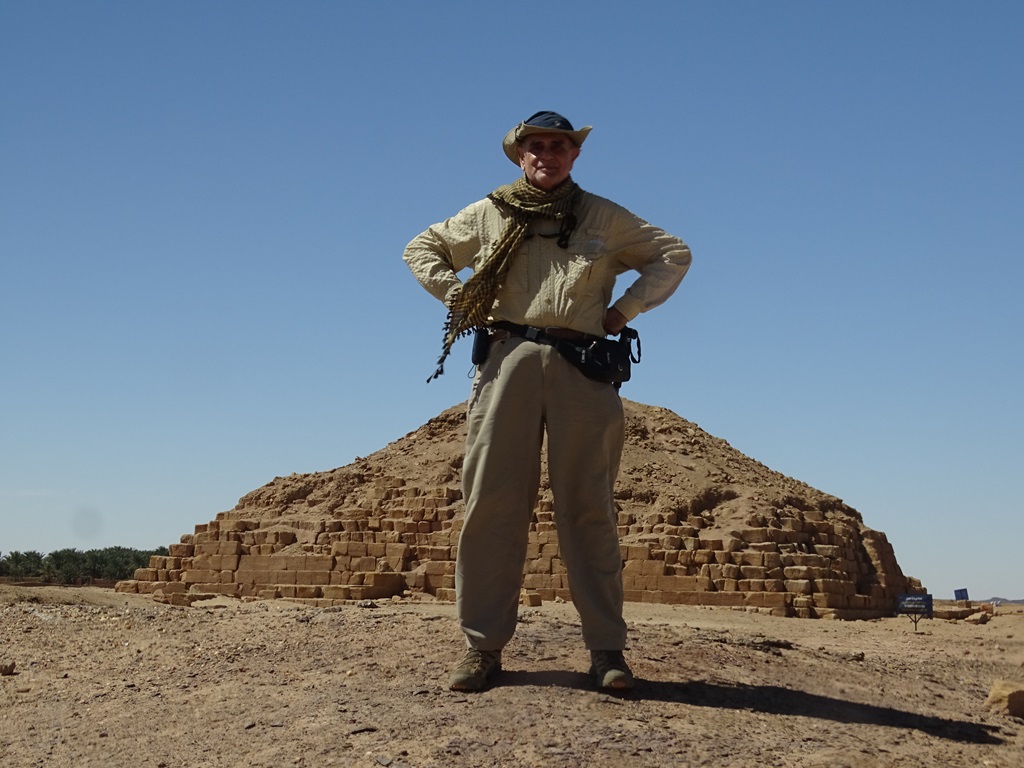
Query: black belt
column 540, row 335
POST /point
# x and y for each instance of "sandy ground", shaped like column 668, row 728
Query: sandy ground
column 107, row 679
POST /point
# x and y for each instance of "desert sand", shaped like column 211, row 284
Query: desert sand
column 107, row 679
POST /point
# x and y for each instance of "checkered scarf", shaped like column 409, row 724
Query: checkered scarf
column 522, row 202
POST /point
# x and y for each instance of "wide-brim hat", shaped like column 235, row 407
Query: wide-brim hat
column 542, row 122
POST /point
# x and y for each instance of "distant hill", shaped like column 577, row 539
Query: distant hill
column 1003, row 600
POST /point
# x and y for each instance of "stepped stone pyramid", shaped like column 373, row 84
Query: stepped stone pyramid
column 700, row 524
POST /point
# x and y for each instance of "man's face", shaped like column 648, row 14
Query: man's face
column 547, row 159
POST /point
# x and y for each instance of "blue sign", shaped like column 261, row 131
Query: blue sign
column 960, row 594
column 915, row 605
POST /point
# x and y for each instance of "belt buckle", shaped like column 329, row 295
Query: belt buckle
column 532, row 333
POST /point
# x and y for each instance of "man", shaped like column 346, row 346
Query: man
column 545, row 255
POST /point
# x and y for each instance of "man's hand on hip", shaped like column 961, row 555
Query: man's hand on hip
column 614, row 321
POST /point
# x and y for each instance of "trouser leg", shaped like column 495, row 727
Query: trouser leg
column 500, row 478
column 585, row 436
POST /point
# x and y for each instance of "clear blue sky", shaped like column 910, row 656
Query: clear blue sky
column 203, row 208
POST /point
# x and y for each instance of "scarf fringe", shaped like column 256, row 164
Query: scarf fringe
column 470, row 307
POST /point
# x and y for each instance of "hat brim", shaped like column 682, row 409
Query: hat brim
column 513, row 137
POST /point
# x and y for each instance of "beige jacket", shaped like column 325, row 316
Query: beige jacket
column 548, row 286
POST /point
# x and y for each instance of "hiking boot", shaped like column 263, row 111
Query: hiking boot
column 475, row 670
column 610, row 671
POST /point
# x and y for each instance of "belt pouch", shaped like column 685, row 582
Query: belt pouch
column 606, row 360
column 481, row 346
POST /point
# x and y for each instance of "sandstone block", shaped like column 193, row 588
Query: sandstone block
column 289, row 562
column 538, row 565
column 703, row 556
column 255, row 563
column 341, row 577
column 749, row 559
column 537, row 581
column 652, row 568
column 799, row 586
column 211, row 588
column 760, row 535
column 835, row 586
column 1006, row 697
column 394, row 582
column 722, row 557
column 445, row 582
column 313, row 577
column 830, row 600
column 438, row 567
column 752, row 572
column 365, row 564
column 682, row 584
column 632, row 568
column 672, row 597
column 230, row 548
column 197, row 576
column 531, row 599
column 861, row 602
column 238, row 525
column 770, row 599
column 321, row 562
column 281, row 577
column 728, row 599
column 772, row 560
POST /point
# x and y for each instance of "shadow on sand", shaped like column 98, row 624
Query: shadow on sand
column 772, row 700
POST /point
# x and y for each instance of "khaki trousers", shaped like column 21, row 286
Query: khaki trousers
column 521, row 391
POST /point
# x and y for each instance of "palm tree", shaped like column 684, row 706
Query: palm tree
column 34, row 561
column 13, row 564
column 66, row 566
